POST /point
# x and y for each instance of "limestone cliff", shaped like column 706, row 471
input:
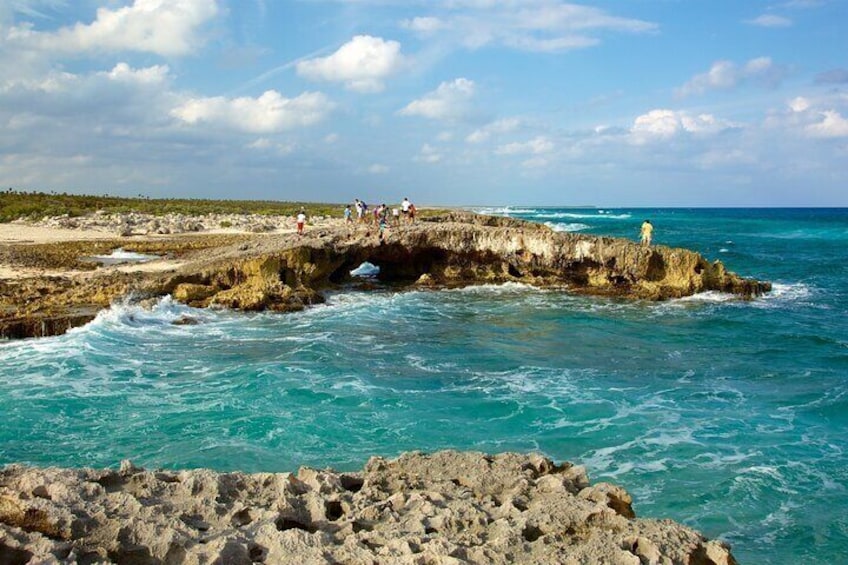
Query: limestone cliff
column 448, row 507
column 284, row 272
column 275, row 275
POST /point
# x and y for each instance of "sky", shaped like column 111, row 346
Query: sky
column 454, row 102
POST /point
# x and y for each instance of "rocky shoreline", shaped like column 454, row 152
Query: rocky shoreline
column 442, row 508
column 278, row 270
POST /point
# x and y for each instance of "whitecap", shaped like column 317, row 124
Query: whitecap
column 501, row 288
column 582, row 216
column 120, row 256
column 570, row 227
column 504, row 211
column 710, row 296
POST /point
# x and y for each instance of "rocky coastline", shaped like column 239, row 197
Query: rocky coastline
column 446, row 507
column 441, row 508
column 260, row 264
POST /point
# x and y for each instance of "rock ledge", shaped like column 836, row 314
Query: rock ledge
column 446, row 507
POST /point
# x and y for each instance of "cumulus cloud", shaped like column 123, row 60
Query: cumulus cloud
column 163, row 27
column 529, row 25
column 770, row 20
column 449, row 101
column 663, row 124
column 362, row 64
column 268, row 113
column 819, row 117
column 122, row 72
column 725, row 75
column 505, row 125
column 831, row 125
column 536, row 146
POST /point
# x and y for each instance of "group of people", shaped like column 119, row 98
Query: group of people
column 380, row 215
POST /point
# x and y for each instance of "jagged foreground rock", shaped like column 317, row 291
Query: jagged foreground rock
column 448, row 507
column 283, row 272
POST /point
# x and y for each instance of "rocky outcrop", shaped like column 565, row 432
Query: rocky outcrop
column 285, row 272
column 272, row 275
column 448, row 507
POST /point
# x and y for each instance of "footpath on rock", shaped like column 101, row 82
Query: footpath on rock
column 51, row 287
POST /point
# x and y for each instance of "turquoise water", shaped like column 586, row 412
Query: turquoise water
column 729, row 416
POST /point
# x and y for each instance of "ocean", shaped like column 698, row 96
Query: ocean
column 728, row 416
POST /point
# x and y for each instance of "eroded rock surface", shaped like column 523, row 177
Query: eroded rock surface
column 285, row 272
column 448, row 507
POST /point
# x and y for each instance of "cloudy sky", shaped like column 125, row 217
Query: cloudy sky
column 466, row 102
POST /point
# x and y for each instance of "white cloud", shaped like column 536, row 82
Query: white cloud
column 271, row 112
column 164, row 27
column 771, row 20
column 448, row 101
column 505, row 125
column 664, row 124
column 424, row 25
column 331, row 138
column 535, row 163
column 428, row 154
column 362, row 64
column 378, row 169
column 799, row 104
column 265, row 144
column 832, row 125
column 536, row 146
column 122, row 72
column 725, row 75
column 529, row 25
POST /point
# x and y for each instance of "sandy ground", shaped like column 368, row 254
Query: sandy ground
column 19, row 233
column 23, row 234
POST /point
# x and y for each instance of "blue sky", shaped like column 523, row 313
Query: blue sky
column 461, row 102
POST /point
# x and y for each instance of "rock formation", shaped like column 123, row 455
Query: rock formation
column 448, row 507
column 284, row 272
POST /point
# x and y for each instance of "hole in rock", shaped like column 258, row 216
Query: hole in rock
column 333, row 510
column 284, row 524
column 351, row 483
column 532, row 533
column 513, row 271
column 257, row 553
column 242, row 518
column 14, row 556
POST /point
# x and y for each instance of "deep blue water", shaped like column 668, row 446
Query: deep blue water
column 729, row 416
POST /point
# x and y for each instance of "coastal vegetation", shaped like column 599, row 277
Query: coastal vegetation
column 16, row 204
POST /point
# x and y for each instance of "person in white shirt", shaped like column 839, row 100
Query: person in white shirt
column 301, row 221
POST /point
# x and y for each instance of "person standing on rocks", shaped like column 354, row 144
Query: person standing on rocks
column 647, row 231
column 348, row 215
column 404, row 206
column 301, row 221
